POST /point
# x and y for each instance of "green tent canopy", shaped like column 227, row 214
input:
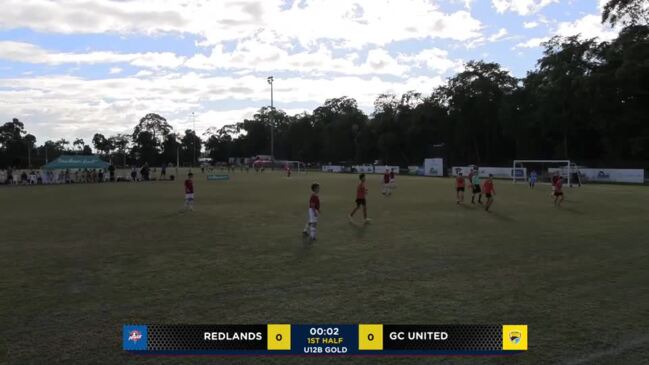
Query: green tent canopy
column 77, row 162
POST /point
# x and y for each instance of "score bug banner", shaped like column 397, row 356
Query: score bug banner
column 325, row 340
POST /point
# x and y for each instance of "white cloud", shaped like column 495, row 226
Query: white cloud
column 27, row 52
column 253, row 55
column 82, row 107
column 522, row 7
column 532, row 42
column 497, row 36
column 589, row 26
column 355, row 24
column 434, row 59
column 115, row 70
column 530, row 25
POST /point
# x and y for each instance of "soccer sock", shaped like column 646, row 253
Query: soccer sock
column 312, row 232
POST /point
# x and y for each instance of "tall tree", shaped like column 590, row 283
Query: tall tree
column 102, row 144
column 120, row 143
column 190, row 150
column 474, row 98
column 626, row 12
column 560, row 86
column 79, row 144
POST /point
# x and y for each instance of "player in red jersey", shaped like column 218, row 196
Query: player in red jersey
column 553, row 182
column 393, row 180
column 386, row 182
column 489, row 191
column 361, row 199
column 558, row 191
column 189, row 192
column 288, row 170
column 314, row 213
column 459, row 187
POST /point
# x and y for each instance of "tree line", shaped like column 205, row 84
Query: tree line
column 585, row 100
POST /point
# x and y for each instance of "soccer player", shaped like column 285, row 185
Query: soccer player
column 393, row 180
column 555, row 179
column 474, row 177
column 459, row 188
column 489, row 192
column 386, row 182
column 361, row 195
column 288, row 170
column 558, row 192
column 189, row 192
column 314, row 212
column 533, row 179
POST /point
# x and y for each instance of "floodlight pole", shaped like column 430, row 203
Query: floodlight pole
column 270, row 80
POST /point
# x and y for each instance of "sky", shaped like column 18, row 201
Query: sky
column 73, row 68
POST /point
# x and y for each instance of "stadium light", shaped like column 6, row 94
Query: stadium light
column 270, row 80
column 194, row 139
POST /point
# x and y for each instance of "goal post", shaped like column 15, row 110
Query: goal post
column 545, row 168
column 297, row 166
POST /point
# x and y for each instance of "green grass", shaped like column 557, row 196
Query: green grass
column 78, row 261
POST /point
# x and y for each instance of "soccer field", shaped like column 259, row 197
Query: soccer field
column 79, row 261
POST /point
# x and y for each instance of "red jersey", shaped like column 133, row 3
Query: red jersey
column 314, row 202
column 189, row 187
column 361, row 191
column 459, row 181
column 558, row 185
column 386, row 177
column 488, row 187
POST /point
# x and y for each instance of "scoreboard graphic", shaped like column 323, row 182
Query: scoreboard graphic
column 325, row 340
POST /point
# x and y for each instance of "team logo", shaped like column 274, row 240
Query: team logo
column 135, row 336
column 515, row 337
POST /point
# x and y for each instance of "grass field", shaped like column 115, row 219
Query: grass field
column 77, row 262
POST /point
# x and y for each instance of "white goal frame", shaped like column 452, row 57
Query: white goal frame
column 297, row 166
column 569, row 165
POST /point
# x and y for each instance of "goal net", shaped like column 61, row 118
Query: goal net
column 296, row 166
column 545, row 169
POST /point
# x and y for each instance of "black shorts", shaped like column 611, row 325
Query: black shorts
column 360, row 202
column 488, row 195
column 476, row 189
column 460, row 189
column 558, row 193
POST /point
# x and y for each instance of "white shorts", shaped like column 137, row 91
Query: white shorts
column 313, row 218
column 189, row 197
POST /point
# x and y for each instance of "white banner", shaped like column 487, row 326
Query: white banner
column 365, row 169
column 332, row 168
column 434, row 167
column 381, row 169
column 634, row 176
column 497, row 172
